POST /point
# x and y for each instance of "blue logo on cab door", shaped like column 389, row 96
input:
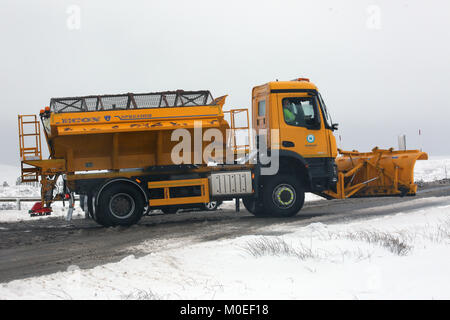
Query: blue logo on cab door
column 310, row 138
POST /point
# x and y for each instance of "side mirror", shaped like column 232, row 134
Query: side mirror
column 334, row 126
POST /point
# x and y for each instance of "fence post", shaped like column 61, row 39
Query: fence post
column 18, row 204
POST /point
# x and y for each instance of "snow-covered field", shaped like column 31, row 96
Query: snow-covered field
column 435, row 168
column 405, row 256
column 19, row 191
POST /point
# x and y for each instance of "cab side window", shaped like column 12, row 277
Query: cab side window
column 262, row 108
column 301, row 112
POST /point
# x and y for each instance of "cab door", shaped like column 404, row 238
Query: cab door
column 261, row 118
column 301, row 124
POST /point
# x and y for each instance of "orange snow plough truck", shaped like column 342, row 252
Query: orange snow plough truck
column 116, row 152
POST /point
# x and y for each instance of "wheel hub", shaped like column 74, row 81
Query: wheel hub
column 211, row 205
column 284, row 196
column 121, row 205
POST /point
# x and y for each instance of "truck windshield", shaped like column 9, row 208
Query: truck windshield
column 326, row 115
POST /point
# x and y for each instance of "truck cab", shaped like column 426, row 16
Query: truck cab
column 307, row 146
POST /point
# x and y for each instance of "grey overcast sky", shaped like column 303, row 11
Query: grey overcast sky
column 382, row 66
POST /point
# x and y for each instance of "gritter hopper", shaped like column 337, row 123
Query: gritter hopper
column 112, row 132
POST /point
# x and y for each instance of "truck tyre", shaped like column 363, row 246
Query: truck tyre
column 254, row 206
column 87, row 206
column 90, row 207
column 169, row 210
column 119, row 205
column 283, row 196
column 83, row 203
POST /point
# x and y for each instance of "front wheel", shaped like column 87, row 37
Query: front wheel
column 169, row 210
column 254, row 206
column 283, row 196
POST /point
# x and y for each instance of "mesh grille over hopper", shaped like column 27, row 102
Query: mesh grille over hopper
column 111, row 132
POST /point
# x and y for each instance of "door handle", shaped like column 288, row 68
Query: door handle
column 288, row 144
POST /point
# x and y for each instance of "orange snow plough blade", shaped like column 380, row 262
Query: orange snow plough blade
column 377, row 173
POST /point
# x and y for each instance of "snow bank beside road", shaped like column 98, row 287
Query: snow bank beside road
column 358, row 260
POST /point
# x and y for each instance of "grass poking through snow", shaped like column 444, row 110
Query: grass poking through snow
column 394, row 243
column 277, row 247
column 140, row 294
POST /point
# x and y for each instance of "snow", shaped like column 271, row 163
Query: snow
column 19, row 191
column 326, row 261
column 435, row 168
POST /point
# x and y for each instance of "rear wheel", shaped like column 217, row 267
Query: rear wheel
column 86, row 204
column 283, row 196
column 119, row 204
column 83, row 202
column 90, row 206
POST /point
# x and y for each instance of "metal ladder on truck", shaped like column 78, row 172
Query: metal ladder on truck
column 30, row 146
column 243, row 128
